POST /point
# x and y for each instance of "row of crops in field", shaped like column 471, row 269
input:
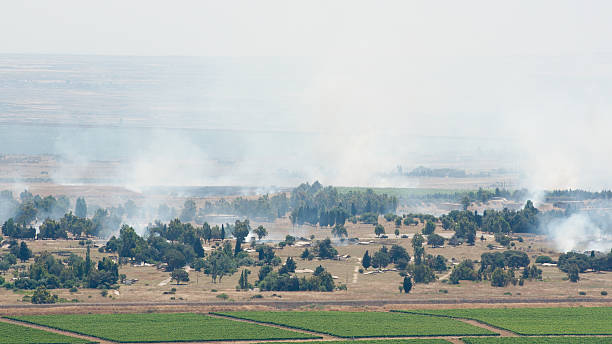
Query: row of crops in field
column 539, row 321
column 364, row 324
column 538, row 340
column 17, row 334
column 182, row 327
column 130, row 328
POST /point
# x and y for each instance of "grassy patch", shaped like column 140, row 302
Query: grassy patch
column 176, row 327
column 16, row 334
column 540, row 321
column 539, row 340
column 364, row 324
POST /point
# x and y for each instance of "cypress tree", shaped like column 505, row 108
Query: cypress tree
column 366, row 261
column 407, row 285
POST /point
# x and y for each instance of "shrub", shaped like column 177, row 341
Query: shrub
column 543, row 259
column 223, row 296
column 582, row 293
column 463, row 271
column 42, row 296
column 604, row 293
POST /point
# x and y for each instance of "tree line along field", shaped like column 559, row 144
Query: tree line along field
column 177, row 327
column 16, row 334
column 363, row 324
column 539, row 321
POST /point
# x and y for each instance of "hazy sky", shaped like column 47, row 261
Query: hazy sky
column 538, row 73
column 311, row 28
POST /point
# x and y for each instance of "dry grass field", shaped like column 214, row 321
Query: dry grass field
column 153, row 282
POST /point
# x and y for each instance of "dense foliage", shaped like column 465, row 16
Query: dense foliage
column 51, row 273
column 315, row 204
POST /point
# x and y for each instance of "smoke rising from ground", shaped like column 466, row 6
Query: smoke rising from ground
column 344, row 101
column 579, row 232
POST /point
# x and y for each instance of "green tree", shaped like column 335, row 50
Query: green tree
column 241, row 231
column 429, row 228
column 261, row 232
column 88, row 263
column 435, row 240
column 366, row 261
column 175, row 259
column 42, row 296
column 189, row 211
column 465, row 202
column 219, row 264
column 407, row 284
column 24, row 252
column 397, row 232
column 26, row 213
column 573, row 273
column 339, row 231
column 419, row 251
column 499, row 278
column 243, row 282
column 381, row 258
column 463, row 271
column 180, row 275
column 290, row 265
column 324, row 249
column 80, row 209
column 417, row 240
column 423, row 274
column 379, row 230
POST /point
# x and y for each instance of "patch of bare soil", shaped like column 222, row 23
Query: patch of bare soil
column 502, row 333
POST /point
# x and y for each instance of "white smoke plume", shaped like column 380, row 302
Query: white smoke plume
column 579, row 233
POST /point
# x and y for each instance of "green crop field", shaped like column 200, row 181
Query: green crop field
column 16, row 334
column 385, row 341
column 364, row 324
column 540, row 321
column 177, row 327
column 539, row 340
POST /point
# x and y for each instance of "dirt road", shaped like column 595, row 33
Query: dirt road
column 296, row 304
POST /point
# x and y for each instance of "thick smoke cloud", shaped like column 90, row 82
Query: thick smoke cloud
column 579, row 232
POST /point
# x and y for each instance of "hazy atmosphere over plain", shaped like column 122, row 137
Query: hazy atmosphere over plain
column 274, row 160
column 349, row 89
